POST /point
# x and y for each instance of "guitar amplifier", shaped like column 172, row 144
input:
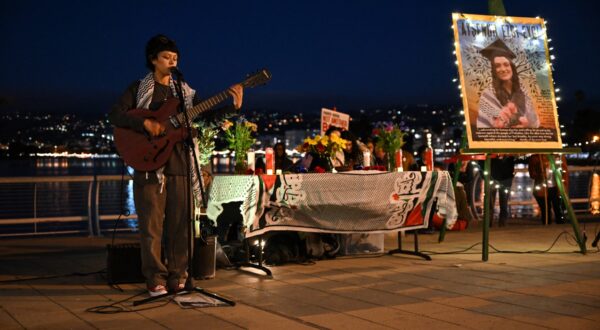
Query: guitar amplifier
column 124, row 264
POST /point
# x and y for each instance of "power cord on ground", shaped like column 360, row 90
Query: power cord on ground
column 114, row 309
column 495, row 250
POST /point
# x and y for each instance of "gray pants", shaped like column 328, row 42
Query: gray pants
column 168, row 211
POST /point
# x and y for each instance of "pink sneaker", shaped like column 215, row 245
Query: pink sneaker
column 157, row 290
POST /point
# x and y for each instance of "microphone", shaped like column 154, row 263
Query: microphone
column 175, row 71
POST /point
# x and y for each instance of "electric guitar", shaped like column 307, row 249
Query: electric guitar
column 148, row 153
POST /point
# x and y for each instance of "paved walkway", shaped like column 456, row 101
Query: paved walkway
column 558, row 290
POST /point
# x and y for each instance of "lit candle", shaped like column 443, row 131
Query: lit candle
column 251, row 160
column 269, row 161
column 366, row 158
column 398, row 157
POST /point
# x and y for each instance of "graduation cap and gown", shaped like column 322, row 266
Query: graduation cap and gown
column 489, row 105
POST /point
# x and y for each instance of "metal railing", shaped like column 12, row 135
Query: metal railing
column 65, row 205
column 90, row 205
column 583, row 193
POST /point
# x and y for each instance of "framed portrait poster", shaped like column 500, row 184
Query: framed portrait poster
column 506, row 82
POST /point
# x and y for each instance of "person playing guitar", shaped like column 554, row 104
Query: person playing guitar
column 146, row 117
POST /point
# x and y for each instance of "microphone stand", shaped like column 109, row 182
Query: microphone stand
column 189, row 194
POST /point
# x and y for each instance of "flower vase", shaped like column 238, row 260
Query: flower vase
column 330, row 167
column 391, row 161
column 321, row 163
column 241, row 166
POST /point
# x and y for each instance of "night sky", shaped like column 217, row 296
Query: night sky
column 78, row 56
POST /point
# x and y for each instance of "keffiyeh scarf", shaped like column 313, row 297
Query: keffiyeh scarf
column 143, row 100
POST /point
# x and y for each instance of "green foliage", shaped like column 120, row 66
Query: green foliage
column 205, row 142
column 239, row 136
column 390, row 137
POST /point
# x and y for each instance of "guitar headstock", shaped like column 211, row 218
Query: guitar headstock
column 256, row 79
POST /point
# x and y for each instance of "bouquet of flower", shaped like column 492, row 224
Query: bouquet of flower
column 323, row 145
column 239, row 137
column 390, row 138
column 205, row 142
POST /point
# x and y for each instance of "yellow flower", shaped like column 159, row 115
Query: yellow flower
column 253, row 127
column 310, row 141
column 336, row 139
column 226, row 125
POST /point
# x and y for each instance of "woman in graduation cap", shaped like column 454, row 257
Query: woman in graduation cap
column 504, row 104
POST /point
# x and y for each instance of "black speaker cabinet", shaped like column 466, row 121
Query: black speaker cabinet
column 205, row 258
column 124, row 264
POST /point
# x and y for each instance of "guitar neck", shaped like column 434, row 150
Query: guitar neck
column 203, row 106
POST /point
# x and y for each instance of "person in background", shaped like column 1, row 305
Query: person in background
column 545, row 190
column 353, row 152
column 337, row 160
column 503, row 168
column 460, row 191
column 370, row 145
column 282, row 162
column 420, row 162
column 408, row 160
column 380, row 157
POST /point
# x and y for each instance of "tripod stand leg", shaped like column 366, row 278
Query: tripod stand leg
column 214, row 296
column 247, row 263
column 185, row 291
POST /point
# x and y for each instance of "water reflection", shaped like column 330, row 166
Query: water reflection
column 522, row 202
